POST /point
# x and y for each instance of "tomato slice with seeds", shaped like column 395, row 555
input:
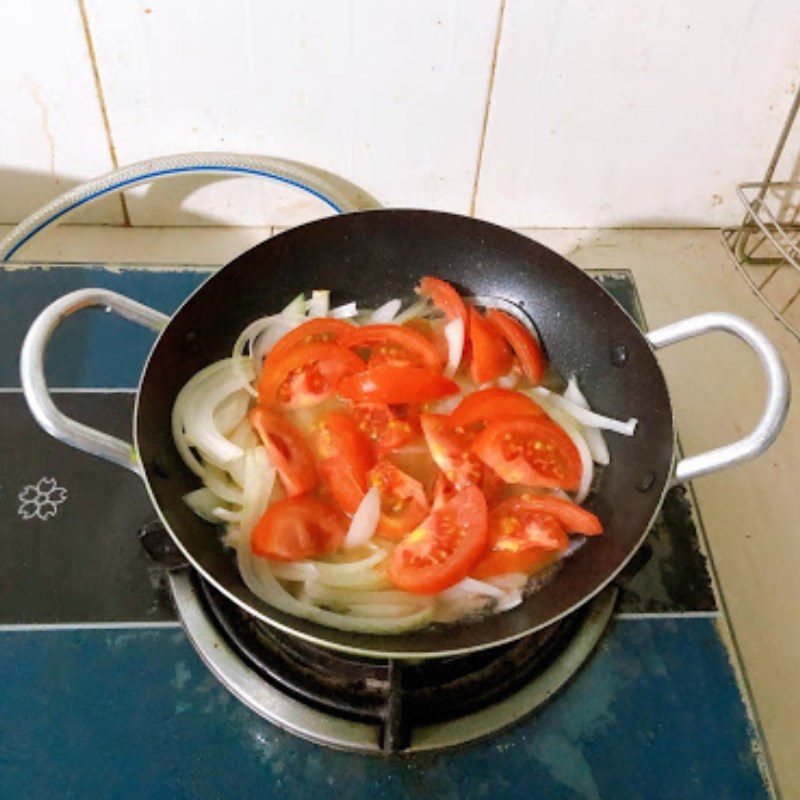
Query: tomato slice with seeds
column 523, row 537
column 572, row 517
column 533, row 451
column 393, row 345
column 320, row 329
column 450, row 448
column 444, row 548
column 331, row 362
column 386, row 428
column 287, row 449
column 487, row 404
column 433, row 333
column 491, row 356
column 298, row 527
column 345, row 458
column 387, row 384
column 524, row 344
column 403, row 502
column 445, row 298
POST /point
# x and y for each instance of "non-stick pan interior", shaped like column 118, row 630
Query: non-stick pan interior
column 371, row 257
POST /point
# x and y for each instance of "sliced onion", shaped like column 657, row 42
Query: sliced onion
column 226, row 515
column 244, row 435
column 319, row 303
column 387, row 312
column 454, row 333
column 230, row 412
column 585, row 416
column 331, row 596
column 575, row 544
column 371, row 579
column 511, row 580
column 594, row 438
column 508, row 381
column 294, row 571
column 219, row 482
column 472, row 586
column 572, row 430
column 346, row 311
column 231, row 537
column 186, row 403
column 263, row 583
column 325, row 568
column 365, row 520
column 201, row 401
column 511, row 599
column 421, row 308
column 258, row 483
column 203, row 502
column 295, row 308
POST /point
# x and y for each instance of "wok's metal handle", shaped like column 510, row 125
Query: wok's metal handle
column 34, row 384
column 775, row 408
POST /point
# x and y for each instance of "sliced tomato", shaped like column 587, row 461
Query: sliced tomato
column 345, row 458
column 524, row 344
column 443, row 491
column 433, row 333
column 403, row 501
column 491, row 356
column 523, row 537
column 287, row 449
column 325, row 363
column 298, row 527
column 393, row 345
column 444, row 548
column 450, row 448
column 486, row 405
column 572, row 517
column 533, row 451
column 386, row 428
column 321, row 329
column 387, row 384
column 445, row 298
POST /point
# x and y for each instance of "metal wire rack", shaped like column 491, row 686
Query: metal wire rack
column 766, row 246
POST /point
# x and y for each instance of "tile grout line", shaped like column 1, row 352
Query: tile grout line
column 644, row 615
column 485, row 123
column 34, row 627
column 98, row 88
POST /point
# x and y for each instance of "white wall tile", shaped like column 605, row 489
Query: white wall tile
column 51, row 128
column 630, row 112
column 388, row 94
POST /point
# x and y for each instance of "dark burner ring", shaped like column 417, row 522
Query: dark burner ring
column 394, row 694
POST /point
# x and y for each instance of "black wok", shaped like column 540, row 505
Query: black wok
column 371, row 257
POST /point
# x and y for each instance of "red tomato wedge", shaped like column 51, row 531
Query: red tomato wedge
column 387, row 429
column 331, row 362
column 345, row 458
column 445, row 298
column 403, row 501
column 486, row 405
column 450, row 448
column 387, row 384
column 433, row 333
column 321, row 329
column 491, row 357
column 522, row 342
column 298, row 527
column 533, row 451
column 523, row 537
column 443, row 491
column 572, row 517
column 287, row 449
column 444, row 548
column 393, row 345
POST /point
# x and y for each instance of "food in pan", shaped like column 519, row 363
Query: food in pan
column 382, row 470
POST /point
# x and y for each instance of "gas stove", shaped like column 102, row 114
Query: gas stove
column 104, row 694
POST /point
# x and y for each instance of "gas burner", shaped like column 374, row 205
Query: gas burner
column 382, row 706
